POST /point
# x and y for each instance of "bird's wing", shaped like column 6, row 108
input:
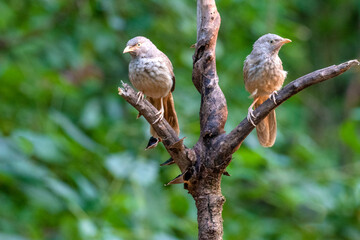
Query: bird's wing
column 246, row 70
column 170, row 68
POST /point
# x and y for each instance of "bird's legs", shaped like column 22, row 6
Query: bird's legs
column 272, row 96
column 250, row 114
column 140, row 96
column 160, row 114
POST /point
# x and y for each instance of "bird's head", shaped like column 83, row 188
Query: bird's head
column 270, row 43
column 138, row 46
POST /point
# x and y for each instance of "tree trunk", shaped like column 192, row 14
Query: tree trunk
column 209, row 203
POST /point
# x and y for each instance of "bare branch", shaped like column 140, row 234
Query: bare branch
column 182, row 156
column 231, row 142
column 213, row 112
column 204, row 178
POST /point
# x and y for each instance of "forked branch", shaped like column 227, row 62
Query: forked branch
column 203, row 165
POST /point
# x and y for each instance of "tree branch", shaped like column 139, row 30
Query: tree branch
column 213, row 111
column 204, row 178
column 231, row 142
column 182, row 155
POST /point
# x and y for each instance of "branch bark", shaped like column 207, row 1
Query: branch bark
column 183, row 156
column 203, row 165
column 213, row 103
column 231, row 142
column 205, row 178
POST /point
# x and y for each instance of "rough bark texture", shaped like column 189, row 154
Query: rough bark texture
column 205, row 184
column 203, row 165
column 183, row 156
column 232, row 141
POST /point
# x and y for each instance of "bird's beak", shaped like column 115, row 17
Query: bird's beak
column 128, row 49
column 285, row 40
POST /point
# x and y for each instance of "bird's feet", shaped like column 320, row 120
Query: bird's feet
column 250, row 116
column 160, row 115
column 272, row 96
column 140, row 96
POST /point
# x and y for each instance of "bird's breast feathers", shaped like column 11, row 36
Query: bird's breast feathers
column 264, row 75
column 151, row 76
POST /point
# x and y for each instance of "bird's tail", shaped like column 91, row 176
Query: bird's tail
column 266, row 129
column 169, row 112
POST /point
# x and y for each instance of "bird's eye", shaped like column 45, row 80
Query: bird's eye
column 139, row 44
column 271, row 41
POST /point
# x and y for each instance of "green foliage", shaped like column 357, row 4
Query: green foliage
column 72, row 159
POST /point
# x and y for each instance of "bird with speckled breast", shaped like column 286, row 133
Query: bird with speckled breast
column 263, row 77
column 151, row 72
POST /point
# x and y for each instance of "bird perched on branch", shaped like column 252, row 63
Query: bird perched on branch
column 263, row 77
column 151, row 72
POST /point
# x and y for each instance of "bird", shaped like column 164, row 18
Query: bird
column 263, row 77
column 151, row 73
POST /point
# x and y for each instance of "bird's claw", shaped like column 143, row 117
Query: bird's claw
column 272, row 96
column 160, row 115
column 249, row 117
column 140, row 96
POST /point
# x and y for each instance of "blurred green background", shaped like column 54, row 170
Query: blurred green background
column 72, row 159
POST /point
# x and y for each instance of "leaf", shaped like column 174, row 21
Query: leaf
column 116, row 22
column 91, row 114
column 13, row 162
column 4, row 236
column 87, row 228
column 108, row 234
column 163, row 236
column 120, row 165
column 75, row 133
column 43, row 146
column 355, row 114
column 7, row 14
column 145, row 173
column 348, row 133
column 113, row 108
column 87, row 189
column 123, row 165
column 63, row 190
column 42, row 198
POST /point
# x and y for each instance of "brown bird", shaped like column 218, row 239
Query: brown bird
column 151, row 72
column 263, row 77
